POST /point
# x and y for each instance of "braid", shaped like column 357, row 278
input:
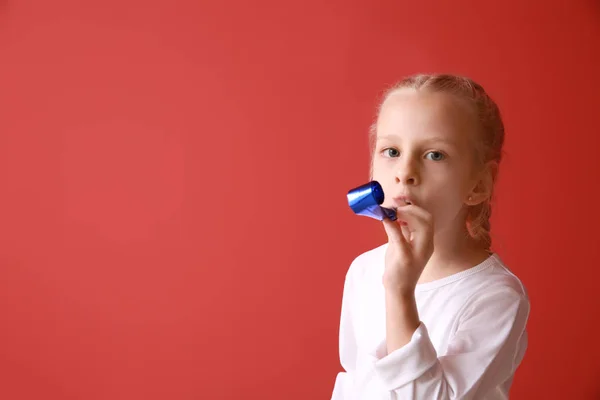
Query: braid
column 478, row 224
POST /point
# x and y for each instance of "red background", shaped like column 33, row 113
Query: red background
column 173, row 178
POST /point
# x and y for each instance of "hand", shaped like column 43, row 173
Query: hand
column 409, row 248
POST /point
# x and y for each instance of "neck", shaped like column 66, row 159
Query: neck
column 454, row 251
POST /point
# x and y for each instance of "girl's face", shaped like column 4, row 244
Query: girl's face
column 425, row 151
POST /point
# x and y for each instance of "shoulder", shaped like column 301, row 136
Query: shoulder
column 497, row 290
column 372, row 258
column 501, row 278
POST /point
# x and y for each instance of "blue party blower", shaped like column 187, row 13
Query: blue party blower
column 367, row 199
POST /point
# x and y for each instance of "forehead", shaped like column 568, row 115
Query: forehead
column 421, row 114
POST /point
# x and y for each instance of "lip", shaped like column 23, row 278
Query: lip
column 403, row 200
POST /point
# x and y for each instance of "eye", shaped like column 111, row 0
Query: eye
column 435, row 156
column 391, row 152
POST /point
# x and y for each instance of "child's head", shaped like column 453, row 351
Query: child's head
column 438, row 139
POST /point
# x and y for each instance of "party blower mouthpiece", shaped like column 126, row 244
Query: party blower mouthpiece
column 367, row 199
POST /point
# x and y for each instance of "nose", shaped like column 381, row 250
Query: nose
column 407, row 172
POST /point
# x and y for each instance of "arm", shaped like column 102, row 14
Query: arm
column 343, row 386
column 401, row 319
column 482, row 354
column 488, row 341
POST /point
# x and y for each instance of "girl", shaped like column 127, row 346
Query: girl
column 433, row 313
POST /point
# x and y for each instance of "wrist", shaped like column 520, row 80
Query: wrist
column 401, row 296
column 405, row 292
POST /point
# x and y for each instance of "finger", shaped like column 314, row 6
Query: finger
column 414, row 215
column 394, row 233
column 419, row 222
column 406, row 231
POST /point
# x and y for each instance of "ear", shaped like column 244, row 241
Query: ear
column 484, row 184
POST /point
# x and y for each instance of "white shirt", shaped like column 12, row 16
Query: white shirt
column 470, row 341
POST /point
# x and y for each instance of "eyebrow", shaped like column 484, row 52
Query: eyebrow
column 429, row 140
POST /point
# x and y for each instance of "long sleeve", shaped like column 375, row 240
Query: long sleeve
column 483, row 353
column 343, row 387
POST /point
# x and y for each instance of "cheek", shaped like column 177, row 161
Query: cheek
column 447, row 201
column 444, row 187
column 384, row 162
column 383, row 173
column 377, row 168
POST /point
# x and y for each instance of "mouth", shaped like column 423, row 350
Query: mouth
column 403, row 200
